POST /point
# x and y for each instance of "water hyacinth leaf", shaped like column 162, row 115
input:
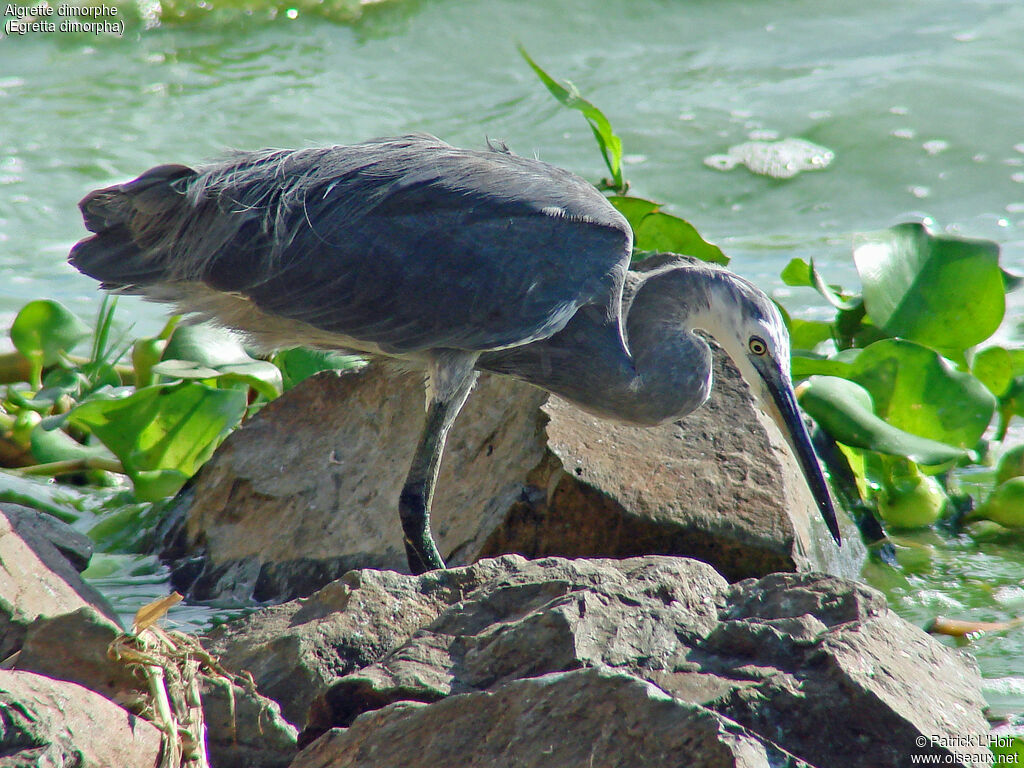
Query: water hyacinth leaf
column 797, row 274
column 657, row 231
column 941, row 291
column 917, row 390
column 161, row 428
column 802, row 274
column 50, row 445
column 43, row 330
column 205, row 352
column 156, row 484
column 845, row 410
column 567, row 95
column 300, row 363
column 262, row 376
column 206, row 345
column 185, row 369
column 1005, row 505
column 804, row 364
column 59, row 501
column 807, row 334
column 997, row 367
column 993, row 368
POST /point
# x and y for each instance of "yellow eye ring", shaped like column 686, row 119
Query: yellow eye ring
column 757, row 345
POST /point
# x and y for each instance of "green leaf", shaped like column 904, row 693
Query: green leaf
column 804, row 364
column 204, row 352
column 1005, row 505
column 567, row 95
column 49, row 445
column 44, row 329
column 807, row 334
column 299, row 364
column 845, row 411
column 163, row 428
column 206, row 345
column 941, row 291
column 655, row 230
column 917, row 390
column 802, row 274
column 156, row 484
column 797, row 274
column 42, row 495
column 997, row 367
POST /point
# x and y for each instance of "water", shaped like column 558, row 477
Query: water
column 921, row 102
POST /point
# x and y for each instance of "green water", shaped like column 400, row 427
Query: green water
column 921, row 101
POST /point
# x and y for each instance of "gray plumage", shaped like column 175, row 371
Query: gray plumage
column 455, row 259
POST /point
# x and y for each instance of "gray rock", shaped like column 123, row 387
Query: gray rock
column 588, row 717
column 309, row 487
column 814, row 664
column 243, row 728
column 33, row 524
column 73, row 646
column 294, row 650
column 36, row 580
column 49, row 723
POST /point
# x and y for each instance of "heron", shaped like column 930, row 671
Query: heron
column 455, row 260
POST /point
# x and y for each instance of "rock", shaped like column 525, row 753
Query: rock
column 73, row 646
column 720, row 485
column 36, row 578
column 587, row 717
column 49, row 722
column 33, row 524
column 308, row 488
column 771, row 655
column 810, row 644
column 243, row 728
column 294, row 650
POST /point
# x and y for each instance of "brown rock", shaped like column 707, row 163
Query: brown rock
column 588, row 717
column 308, row 489
column 55, row 723
column 243, row 728
column 73, row 647
column 294, row 650
column 814, row 664
column 720, row 486
column 36, row 579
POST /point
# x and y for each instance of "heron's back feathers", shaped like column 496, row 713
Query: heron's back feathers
column 407, row 243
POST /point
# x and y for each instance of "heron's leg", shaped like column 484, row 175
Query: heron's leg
column 451, row 378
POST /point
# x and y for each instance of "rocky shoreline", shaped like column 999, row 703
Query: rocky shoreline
column 590, row 651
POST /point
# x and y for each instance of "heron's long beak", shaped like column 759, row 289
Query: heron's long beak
column 787, row 415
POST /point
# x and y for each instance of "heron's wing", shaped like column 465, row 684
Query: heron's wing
column 408, row 243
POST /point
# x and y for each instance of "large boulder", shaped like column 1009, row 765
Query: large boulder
column 807, row 665
column 587, row 717
column 817, row 665
column 308, row 489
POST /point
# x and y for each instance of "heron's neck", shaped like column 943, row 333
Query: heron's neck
column 665, row 374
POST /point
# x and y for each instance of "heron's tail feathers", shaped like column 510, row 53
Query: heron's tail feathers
column 129, row 221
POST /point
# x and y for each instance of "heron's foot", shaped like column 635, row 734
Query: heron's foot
column 420, row 549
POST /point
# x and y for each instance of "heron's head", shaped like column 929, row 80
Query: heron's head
column 748, row 325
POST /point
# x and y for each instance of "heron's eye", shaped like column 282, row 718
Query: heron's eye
column 757, row 345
